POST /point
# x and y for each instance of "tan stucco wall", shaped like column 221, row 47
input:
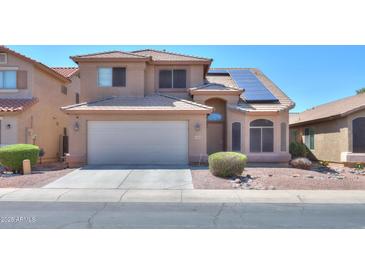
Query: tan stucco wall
column 19, row 64
column 89, row 89
column 330, row 140
column 8, row 136
column 78, row 139
column 142, row 79
column 245, row 119
column 44, row 120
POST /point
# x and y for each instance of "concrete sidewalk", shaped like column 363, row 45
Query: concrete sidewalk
column 183, row 196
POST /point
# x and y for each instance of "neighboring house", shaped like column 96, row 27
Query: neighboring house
column 31, row 95
column 334, row 131
column 158, row 107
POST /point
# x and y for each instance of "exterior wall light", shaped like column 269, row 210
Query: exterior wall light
column 8, row 126
column 76, row 126
column 197, row 127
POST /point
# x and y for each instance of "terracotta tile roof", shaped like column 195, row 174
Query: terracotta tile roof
column 284, row 102
column 157, row 102
column 66, row 71
column 37, row 64
column 109, row 55
column 335, row 109
column 16, row 105
column 158, row 55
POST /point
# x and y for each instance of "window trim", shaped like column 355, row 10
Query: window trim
column 6, row 58
column 240, row 136
column 307, row 138
column 111, row 84
column 283, row 139
column 172, row 77
column 261, row 135
column 14, row 69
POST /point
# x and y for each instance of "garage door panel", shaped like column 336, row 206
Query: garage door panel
column 137, row 142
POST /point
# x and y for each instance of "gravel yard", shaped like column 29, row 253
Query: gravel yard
column 38, row 178
column 333, row 177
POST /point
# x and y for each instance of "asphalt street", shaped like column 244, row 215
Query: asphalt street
column 179, row 215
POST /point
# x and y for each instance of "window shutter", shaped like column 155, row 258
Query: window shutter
column 22, row 79
column 236, row 136
column 119, row 75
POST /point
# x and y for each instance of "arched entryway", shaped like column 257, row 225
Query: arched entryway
column 358, row 135
column 216, row 140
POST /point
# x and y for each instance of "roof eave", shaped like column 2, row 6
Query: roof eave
column 135, row 111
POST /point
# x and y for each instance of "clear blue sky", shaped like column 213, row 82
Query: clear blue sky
column 310, row 75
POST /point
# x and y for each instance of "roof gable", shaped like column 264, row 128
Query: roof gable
column 109, row 55
column 66, row 71
column 338, row 108
column 158, row 55
column 37, row 64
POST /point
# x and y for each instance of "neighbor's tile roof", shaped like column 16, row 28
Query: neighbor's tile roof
column 283, row 103
column 339, row 108
column 37, row 64
column 109, row 54
column 16, row 105
column 66, row 71
column 158, row 55
column 153, row 102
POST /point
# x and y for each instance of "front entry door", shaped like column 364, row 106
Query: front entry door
column 215, row 137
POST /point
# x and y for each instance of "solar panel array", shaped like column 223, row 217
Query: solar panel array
column 255, row 91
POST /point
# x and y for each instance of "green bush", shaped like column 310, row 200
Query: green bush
column 12, row 156
column 298, row 150
column 227, row 164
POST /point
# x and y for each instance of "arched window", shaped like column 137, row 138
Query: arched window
column 261, row 136
column 215, row 117
column 358, row 135
column 236, row 136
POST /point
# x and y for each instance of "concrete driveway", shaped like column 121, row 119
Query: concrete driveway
column 126, row 177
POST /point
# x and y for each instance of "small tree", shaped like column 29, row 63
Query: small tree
column 359, row 91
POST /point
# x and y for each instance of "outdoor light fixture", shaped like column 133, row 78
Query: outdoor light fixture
column 76, row 126
column 197, row 127
column 8, row 126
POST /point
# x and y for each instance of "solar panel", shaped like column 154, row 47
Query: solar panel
column 217, row 71
column 255, row 91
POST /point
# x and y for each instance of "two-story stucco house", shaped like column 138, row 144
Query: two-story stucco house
column 31, row 95
column 157, row 107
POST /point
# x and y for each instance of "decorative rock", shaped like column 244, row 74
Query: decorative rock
column 310, row 176
column 296, row 175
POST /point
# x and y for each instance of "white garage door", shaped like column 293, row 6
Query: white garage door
column 137, row 142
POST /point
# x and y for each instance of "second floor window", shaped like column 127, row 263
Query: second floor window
column 112, row 77
column 175, row 78
column 8, row 79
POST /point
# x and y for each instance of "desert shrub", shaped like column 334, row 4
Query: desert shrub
column 298, row 150
column 324, row 163
column 227, row 164
column 302, row 163
column 12, row 156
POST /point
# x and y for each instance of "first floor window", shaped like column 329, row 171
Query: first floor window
column 112, row 77
column 283, row 137
column 8, row 79
column 309, row 137
column 175, row 78
column 261, row 136
column 236, row 136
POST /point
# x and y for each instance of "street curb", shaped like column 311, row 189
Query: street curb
column 183, row 196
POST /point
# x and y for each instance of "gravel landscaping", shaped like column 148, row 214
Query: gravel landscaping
column 38, row 178
column 266, row 177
